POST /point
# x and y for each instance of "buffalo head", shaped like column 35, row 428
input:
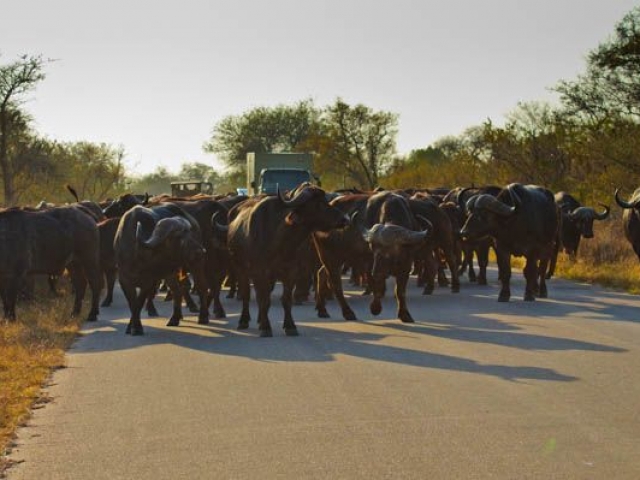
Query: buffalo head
column 309, row 207
column 484, row 212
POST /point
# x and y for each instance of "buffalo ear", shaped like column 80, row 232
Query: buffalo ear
column 292, row 219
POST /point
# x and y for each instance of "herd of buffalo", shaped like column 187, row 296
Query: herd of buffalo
column 305, row 238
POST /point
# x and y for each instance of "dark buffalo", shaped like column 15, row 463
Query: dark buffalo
column 393, row 234
column 263, row 239
column 32, row 243
column 631, row 219
column 47, row 242
column 207, row 212
column 124, row 203
column 577, row 222
column 472, row 247
column 524, row 221
column 153, row 244
column 442, row 243
column 339, row 247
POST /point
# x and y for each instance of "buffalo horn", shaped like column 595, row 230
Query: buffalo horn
column 603, row 215
column 218, row 226
column 622, row 203
column 494, row 205
column 162, row 230
column 461, row 203
column 301, row 197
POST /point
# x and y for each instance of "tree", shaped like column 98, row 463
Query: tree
column 16, row 79
column 262, row 129
column 611, row 84
column 359, row 142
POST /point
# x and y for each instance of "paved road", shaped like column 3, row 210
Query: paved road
column 473, row 389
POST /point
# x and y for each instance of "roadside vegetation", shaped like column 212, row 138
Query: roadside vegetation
column 30, row 349
column 607, row 260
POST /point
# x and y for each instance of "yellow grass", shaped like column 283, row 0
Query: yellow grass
column 30, row 349
column 607, row 260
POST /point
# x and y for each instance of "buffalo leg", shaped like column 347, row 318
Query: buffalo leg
column 504, row 273
column 289, row 325
column 401, row 287
column 244, row 290
column 482, row 253
column 531, row 275
column 110, row 276
column 263, row 289
column 450, row 258
column 542, row 270
column 175, row 286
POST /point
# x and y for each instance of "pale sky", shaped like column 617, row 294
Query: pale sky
column 156, row 76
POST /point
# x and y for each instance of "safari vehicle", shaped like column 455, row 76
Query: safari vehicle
column 188, row 188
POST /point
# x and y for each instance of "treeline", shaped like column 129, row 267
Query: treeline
column 588, row 144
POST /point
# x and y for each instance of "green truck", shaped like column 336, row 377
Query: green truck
column 266, row 172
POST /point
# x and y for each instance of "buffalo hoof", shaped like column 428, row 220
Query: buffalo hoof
column 349, row 316
column 290, row 332
column 529, row 297
column 203, row 320
column 428, row 290
column 503, row 298
column 134, row 331
column 152, row 312
column 482, row 281
column 92, row 317
column 173, row 321
column 243, row 324
column 543, row 293
column 455, row 289
column 230, row 295
column 266, row 333
column 405, row 317
column 105, row 303
column 219, row 313
column 376, row 307
column 323, row 314
column 193, row 308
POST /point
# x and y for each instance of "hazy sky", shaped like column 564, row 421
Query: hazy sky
column 156, row 76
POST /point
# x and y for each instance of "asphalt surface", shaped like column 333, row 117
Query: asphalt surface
column 474, row 389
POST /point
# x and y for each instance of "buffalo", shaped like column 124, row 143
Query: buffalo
column 631, row 219
column 262, row 241
column 394, row 236
column 153, row 244
column 524, row 221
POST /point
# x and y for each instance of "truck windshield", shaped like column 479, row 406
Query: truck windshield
column 285, row 179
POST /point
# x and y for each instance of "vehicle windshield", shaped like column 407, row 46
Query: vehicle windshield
column 284, row 179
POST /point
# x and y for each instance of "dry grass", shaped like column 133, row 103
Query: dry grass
column 30, row 349
column 607, row 260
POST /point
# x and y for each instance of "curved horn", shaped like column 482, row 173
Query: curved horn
column 603, row 215
column 622, row 203
column 425, row 221
column 515, row 198
column 218, row 226
column 162, row 230
column 301, row 197
column 491, row 203
column 461, row 203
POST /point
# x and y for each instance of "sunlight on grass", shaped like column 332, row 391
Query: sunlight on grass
column 30, row 349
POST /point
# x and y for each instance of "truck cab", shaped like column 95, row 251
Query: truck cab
column 268, row 172
column 283, row 178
